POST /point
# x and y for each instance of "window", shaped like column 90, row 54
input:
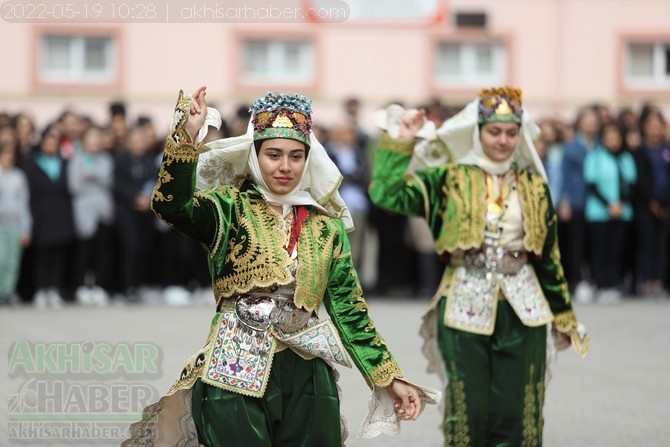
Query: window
column 648, row 65
column 470, row 63
column 77, row 59
column 470, row 19
column 277, row 61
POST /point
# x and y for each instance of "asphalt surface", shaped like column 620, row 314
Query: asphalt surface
column 618, row 395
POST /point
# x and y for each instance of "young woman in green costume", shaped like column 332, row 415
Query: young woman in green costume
column 266, row 208
column 491, row 217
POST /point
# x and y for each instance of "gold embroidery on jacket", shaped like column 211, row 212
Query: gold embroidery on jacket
column 465, row 209
column 358, row 300
column 315, row 243
column 384, row 374
column 219, row 216
column 255, row 255
column 395, row 145
column 565, row 321
column 255, row 252
column 535, row 205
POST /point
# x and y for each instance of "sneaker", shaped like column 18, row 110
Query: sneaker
column 609, row 297
column 54, row 299
column 40, row 300
column 84, row 296
column 583, row 293
column 176, row 296
column 99, row 297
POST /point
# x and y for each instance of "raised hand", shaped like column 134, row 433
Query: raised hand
column 411, row 123
column 197, row 112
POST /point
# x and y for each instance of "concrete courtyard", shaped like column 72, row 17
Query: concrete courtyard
column 619, row 395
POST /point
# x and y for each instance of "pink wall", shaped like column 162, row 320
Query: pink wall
column 563, row 53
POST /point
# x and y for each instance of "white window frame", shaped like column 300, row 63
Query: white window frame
column 658, row 78
column 77, row 72
column 468, row 75
column 278, row 71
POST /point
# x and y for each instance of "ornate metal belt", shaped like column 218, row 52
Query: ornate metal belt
column 491, row 259
column 260, row 311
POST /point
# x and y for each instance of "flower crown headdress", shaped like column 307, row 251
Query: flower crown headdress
column 501, row 104
column 278, row 115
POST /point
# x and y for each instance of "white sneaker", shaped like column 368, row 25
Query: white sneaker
column 84, row 296
column 54, row 298
column 40, row 300
column 583, row 293
column 609, row 297
column 176, row 296
column 99, row 297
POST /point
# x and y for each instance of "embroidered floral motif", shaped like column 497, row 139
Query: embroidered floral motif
column 241, row 358
column 473, row 299
column 321, row 341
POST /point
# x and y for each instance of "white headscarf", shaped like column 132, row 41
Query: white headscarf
column 229, row 158
column 461, row 135
column 458, row 138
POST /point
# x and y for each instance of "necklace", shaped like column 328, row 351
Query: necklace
column 497, row 204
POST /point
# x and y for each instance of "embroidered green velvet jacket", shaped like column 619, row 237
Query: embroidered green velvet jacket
column 245, row 240
column 452, row 199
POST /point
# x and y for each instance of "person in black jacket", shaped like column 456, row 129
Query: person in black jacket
column 53, row 224
column 134, row 176
column 652, row 205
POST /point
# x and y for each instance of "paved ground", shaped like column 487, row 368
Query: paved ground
column 619, row 395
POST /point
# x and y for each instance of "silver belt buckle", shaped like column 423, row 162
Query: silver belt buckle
column 260, row 312
column 254, row 312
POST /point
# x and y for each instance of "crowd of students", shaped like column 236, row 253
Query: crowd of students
column 76, row 226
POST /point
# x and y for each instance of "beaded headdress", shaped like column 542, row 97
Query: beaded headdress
column 500, row 105
column 282, row 116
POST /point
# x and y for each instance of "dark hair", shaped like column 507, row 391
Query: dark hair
column 616, row 126
column 117, row 108
column 49, row 127
column 648, row 112
column 143, row 120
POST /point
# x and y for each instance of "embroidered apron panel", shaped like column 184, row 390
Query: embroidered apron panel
column 320, row 340
column 524, row 293
column 240, row 358
column 471, row 302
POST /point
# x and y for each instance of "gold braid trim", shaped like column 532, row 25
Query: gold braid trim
column 181, row 153
column 534, row 205
column 391, row 144
column 566, row 322
column 384, row 374
column 219, row 215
